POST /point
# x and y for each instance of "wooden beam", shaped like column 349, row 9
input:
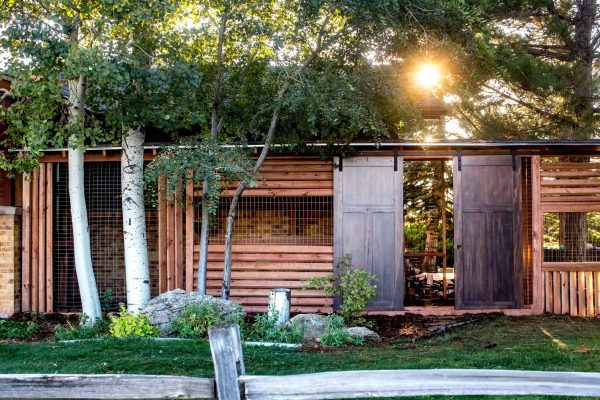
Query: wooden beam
column 49, row 238
column 571, row 266
column 35, row 240
column 178, row 238
column 47, row 386
column 41, row 283
column 162, row 235
column 537, row 235
column 26, row 244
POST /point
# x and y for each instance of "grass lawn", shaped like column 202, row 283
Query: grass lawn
column 550, row 343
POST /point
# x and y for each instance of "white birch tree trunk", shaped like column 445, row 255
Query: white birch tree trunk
column 90, row 302
column 137, row 273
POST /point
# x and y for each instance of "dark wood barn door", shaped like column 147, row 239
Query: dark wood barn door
column 368, row 222
column 487, row 232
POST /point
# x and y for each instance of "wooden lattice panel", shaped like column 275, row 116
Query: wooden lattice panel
column 570, row 187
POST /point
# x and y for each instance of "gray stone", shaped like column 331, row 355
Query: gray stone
column 164, row 309
column 313, row 325
column 365, row 333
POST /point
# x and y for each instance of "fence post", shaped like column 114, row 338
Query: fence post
column 228, row 360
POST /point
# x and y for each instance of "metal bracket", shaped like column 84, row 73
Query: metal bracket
column 395, row 160
column 459, row 157
column 341, row 164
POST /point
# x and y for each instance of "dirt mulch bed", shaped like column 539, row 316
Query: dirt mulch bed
column 415, row 326
column 47, row 324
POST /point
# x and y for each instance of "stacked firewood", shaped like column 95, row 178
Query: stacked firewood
column 426, row 288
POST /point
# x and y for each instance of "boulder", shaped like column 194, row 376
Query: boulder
column 313, row 325
column 164, row 309
column 365, row 333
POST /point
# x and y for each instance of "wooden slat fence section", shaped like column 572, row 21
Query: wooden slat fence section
column 574, row 291
column 38, row 386
column 37, row 237
column 171, row 254
column 570, row 187
column 258, row 268
column 286, row 176
column 445, row 382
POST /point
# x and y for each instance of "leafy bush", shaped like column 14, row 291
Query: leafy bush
column 196, row 319
column 336, row 334
column 353, row 285
column 82, row 330
column 17, row 330
column 126, row 325
column 265, row 329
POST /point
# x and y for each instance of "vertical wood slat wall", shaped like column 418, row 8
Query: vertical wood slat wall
column 37, row 269
column 170, row 240
column 566, row 287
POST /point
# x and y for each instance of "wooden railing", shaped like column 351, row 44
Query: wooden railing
column 232, row 383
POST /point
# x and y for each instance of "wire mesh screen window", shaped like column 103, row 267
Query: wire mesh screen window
column 572, row 237
column 103, row 199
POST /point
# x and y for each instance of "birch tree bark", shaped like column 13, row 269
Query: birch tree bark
column 137, row 273
column 90, row 302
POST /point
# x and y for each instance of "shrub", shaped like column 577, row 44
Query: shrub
column 126, row 325
column 353, row 285
column 17, row 330
column 82, row 330
column 196, row 319
column 265, row 329
column 336, row 334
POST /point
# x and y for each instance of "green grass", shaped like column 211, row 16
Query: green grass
column 532, row 343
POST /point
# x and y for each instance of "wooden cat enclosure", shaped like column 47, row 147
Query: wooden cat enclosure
column 510, row 205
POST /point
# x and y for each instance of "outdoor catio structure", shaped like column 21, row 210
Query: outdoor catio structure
column 518, row 230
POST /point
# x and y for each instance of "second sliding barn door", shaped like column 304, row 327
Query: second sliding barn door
column 487, row 232
column 368, row 222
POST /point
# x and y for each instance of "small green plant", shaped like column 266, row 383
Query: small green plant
column 353, row 285
column 126, row 325
column 336, row 334
column 265, row 329
column 196, row 319
column 17, row 329
column 106, row 300
column 82, row 330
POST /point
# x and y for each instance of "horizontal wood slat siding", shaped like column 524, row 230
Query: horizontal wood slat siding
column 287, row 176
column 37, row 238
column 258, row 268
column 570, row 187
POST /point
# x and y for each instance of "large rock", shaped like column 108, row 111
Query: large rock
column 313, row 325
column 365, row 333
column 162, row 310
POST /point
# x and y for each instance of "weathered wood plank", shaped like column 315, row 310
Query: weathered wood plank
column 581, row 294
column 189, row 236
column 556, row 296
column 564, row 292
column 35, row 240
column 548, row 291
column 268, row 275
column 41, row 284
column 537, row 237
column 39, row 386
column 162, row 235
column 276, row 192
column 372, row 384
column 573, row 294
column 241, row 248
column 49, row 239
column 570, row 166
column 178, row 238
column 228, row 360
column 272, row 266
column 570, row 207
column 591, row 311
column 273, row 257
column 26, row 239
column 571, row 266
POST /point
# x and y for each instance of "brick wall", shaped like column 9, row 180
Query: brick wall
column 10, row 260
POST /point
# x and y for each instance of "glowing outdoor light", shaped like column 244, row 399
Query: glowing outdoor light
column 428, row 76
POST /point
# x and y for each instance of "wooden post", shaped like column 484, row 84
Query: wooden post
column 444, row 233
column 279, row 305
column 189, row 234
column 26, row 243
column 228, row 360
column 537, row 237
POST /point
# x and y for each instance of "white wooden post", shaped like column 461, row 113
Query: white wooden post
column 228, row 359
column 279, row 305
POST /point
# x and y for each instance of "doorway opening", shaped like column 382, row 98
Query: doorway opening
column 428, row 233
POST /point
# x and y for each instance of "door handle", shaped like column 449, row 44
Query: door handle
column 458, row 247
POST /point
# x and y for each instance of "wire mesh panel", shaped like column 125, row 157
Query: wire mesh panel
column 527, row 229
column 103, row 200
column 300, row 221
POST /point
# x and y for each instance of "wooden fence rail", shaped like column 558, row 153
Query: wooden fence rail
column 232, row 383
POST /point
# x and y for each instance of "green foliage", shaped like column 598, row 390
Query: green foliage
column 127, row 325
column 336, row 334
column 106, row 300
column 82, row 330
column 196, row 319
column 353, row 285
column 17, row 330
column 265, row 329
column 208, row 159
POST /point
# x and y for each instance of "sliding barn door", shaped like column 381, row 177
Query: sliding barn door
column 487, row 232
column 368, row 222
